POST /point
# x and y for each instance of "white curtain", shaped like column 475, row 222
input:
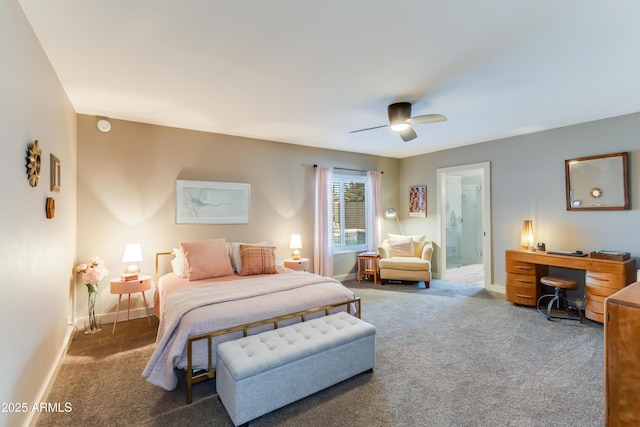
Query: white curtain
column 374, row 210
column 323, row 236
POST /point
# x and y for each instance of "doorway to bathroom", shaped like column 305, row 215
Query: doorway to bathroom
column 464, row 217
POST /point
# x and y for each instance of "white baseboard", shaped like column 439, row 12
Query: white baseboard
column 495, row 288
column 107, row 318
column 345, row 277
column 53, row 373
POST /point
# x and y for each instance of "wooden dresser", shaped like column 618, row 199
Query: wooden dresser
column 622, row 357
column 602, row 277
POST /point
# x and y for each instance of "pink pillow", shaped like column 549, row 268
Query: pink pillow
column 206, row 259
column 257, row 260
column 401, row 246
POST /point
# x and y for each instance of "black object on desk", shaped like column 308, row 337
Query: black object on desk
column 567, row 253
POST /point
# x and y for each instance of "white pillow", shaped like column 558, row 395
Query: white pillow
column 179, row 263
column 401, row 246
column 236, row 258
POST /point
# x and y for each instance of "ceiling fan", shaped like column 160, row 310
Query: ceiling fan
column 400, row 120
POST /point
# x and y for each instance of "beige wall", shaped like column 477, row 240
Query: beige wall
column 528, row 182
column 126, row 186
column 37, row 253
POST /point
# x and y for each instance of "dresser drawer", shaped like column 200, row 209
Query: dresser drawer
column 606, row 280
column 522, row 289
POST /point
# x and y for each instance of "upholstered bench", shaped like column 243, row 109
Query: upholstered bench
column 260, row 373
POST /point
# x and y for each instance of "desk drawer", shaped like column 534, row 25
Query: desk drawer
column 606, row 280
column 522, row 289
column 595, row 297
column 520, row 267
column 598, row 293
column 594, row 310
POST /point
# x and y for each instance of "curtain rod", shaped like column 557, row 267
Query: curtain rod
column 348, row 169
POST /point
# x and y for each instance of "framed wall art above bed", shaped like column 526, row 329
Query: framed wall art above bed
column 204, row 202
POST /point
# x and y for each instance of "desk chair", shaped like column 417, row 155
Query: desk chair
column 559, row 299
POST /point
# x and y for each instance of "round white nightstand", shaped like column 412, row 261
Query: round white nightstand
column 121, row 287
column 297, row 264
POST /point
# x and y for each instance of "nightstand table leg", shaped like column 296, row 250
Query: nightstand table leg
column 116, row 319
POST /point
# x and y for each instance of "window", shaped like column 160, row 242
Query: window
column 349, row 213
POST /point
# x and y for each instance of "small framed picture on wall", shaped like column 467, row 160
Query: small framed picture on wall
column 418, row 201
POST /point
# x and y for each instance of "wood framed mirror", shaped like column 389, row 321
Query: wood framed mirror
column 597, row 182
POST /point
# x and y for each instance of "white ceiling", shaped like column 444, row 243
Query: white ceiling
column 308, row 72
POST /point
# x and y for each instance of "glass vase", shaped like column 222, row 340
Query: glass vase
column 92, row 322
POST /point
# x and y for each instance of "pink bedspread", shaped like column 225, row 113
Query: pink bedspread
column 169, row 283
column 208, row 307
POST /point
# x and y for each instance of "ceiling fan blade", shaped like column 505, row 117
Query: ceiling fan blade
column 408, row 134
column 427, row 118
column 362, row 130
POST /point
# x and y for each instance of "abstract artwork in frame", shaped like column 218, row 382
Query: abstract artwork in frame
column 418, row 201
column 203, row 202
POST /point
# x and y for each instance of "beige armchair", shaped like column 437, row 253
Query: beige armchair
column 405, row 258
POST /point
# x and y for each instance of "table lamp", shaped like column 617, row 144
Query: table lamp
column 132, row 253
column 295, row 244
column 526, row 238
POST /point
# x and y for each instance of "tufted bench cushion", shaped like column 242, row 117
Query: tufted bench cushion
column 260, row 373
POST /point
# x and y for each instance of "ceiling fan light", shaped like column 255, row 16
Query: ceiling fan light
column 399, row 127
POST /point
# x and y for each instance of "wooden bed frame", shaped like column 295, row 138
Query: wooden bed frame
column 210, row 373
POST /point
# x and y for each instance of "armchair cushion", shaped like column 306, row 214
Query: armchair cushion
column 401, row 246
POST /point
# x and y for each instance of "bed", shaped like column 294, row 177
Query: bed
column 197, row 313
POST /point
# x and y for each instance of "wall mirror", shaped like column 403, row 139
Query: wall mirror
column 597, row 183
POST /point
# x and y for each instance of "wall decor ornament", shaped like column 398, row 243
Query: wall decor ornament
column 418, row 201
column 203, row 202
column 55, row 174
column 50, row 207
column 598, row 182
column 33, row 163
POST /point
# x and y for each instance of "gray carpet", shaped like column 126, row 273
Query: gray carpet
column 451, row 355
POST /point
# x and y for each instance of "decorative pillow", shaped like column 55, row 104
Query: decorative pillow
column 179, row 263
column 207, row 258
column 401, row 246
column 236, row 258
column 418, row 242
column 257, row 259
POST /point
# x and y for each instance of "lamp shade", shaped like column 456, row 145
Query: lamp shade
column 526, row 238
column 390, row 213
column 295, row 243
column 132, row 253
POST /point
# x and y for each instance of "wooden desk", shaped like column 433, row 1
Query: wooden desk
column 603, row 277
